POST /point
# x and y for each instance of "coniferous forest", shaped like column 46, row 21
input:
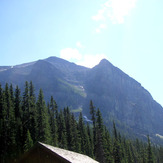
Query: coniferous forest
column 25, row 119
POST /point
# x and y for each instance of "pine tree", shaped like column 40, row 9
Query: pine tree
column 44, row 134
column 99, row 150
column 68, row 126
column 53, row 122
column 28, row 142
column 76, row 146
column 1, row 101
column 2, row 125
column 18, row 119
column 90, row 136
column 62, row 135
column 33, row 114
column 7, row 125
column 143, row 155
column 130, row 158
column 81, row 128
column 107, row 146
column 25, row 111
column 149, row 152
column 10, row 123
column 93, row 118
column 17, row 103
column 116, row 146
column 161, row 154
column 11, row 94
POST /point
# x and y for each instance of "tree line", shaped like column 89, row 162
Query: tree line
column 25, row 119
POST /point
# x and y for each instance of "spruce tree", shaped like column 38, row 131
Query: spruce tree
column 107, row 146
column 18, row 119
column 99, row 150
column 44, row 134
column 2, row 125
column 10, row 123
column 62, row 134
column 28, row 142
column 116, row 146
column 11, row 93
column 53, row 122
column 25, row 111
column 93, row 118
column 161, row 154
column 81, row 129
column 33, row 114
column 90, row 136
column 68, row 122
column 76, row 146
column 149, row 152
column 17, row 103
column 130, row 158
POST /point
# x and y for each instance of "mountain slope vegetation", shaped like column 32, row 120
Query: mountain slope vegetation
column 25, row 119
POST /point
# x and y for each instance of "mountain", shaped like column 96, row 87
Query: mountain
column 119, row 97
column 123, row 99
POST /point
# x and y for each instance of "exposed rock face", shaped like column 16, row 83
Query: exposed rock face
column 118, row 96
column 124, row 99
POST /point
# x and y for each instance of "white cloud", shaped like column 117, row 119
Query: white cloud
column 119, row 9
column 70, row 53
column 116, row 10
column 98, row 30
column 79, row 45
column 100, row 15
column 103, row 26
column 87, row 60
column 90, row 60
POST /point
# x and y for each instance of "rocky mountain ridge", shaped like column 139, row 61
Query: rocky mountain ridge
column 119, row 97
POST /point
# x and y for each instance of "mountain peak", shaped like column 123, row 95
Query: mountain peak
column 105, row 62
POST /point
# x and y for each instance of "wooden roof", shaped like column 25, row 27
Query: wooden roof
column 73, row 157
column 62, row 154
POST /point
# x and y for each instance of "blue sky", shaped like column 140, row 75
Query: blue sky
column 129, row 33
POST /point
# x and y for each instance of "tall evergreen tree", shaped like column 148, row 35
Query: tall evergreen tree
column 11, row 120
column 2, row 125
column 68, row 122
column 17, row 103
column 130, row 154
column 53, row 122
column 25, row 111
column 93, row 118
column 76, row 146
column 90, row 136
column 44, row 133
column 28, row 142
column 161, row 154
column 116, row 146
column 33, row 114
column 7, row 125
column 107, row 146
column 81, row 128
column 149, row 152
column 11, row 93
column 99, row 151
column 62, row 135
column 18, row 119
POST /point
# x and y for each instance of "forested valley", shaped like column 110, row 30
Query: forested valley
column 25, row 120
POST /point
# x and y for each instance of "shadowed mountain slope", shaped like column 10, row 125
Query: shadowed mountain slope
column 119, row 97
